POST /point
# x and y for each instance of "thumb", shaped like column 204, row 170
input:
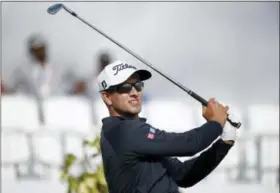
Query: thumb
column 204, row 109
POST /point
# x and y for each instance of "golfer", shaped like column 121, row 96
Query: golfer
column 139, row 158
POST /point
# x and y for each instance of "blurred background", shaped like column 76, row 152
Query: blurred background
column 49, row 101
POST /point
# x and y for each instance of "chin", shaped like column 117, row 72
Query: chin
column 135, row 111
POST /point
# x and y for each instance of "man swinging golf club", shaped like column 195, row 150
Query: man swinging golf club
column 54, row 9
column 137, row 157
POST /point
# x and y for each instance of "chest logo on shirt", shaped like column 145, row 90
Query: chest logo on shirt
column 151, row 134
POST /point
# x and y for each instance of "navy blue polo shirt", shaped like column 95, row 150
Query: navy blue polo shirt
column 138, row 158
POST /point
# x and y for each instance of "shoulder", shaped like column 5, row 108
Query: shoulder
column 116, row 128
column 20, row 69
column 134, row 124
column 125, row 124
column 20, row 72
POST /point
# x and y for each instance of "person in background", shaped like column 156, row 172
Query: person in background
column 104, row 59
column 38, row 76
column 85, row 86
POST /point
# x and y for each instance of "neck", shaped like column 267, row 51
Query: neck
column 42, row 61
column 114, row 113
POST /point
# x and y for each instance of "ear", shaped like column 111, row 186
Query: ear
column 106, row 98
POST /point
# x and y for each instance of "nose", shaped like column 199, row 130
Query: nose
column 134, row 91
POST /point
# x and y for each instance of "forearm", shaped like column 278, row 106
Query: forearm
column 205, row 135
column 164, row 144
column 198, row 168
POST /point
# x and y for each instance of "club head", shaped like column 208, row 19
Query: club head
column 55, row 8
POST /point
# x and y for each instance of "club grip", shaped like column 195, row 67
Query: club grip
column 199, row 98
column 204, row 103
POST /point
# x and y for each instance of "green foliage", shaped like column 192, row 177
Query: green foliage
column 88, row 181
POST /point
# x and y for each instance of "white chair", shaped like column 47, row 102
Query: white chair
column 264, row 121
column 101, row 111
column 270, row 152
column 74, row 144
column 70, row 113
column 172, row 116
column 14, row 147
column 19, row 111
column 47, row 146
column 7, row 173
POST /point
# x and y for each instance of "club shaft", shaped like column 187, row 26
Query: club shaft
column 190, row 92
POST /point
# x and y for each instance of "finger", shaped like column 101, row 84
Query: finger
column 212, row 100
column 211, row 103
column 221, row 104
column 217, row 105
column 225, row 109
column 224, row 105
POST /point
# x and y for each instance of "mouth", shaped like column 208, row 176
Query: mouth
column 134, row 102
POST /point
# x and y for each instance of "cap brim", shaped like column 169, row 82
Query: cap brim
column 143, row 74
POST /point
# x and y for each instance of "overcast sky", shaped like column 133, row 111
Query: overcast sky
column 228, row 50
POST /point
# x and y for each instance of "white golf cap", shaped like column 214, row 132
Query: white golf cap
column 117, row 73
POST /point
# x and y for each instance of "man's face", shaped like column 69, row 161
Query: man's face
column 126, row 103
column 40, row 53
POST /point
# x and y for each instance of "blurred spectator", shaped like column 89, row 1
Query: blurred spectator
column 79, row 87
column 87, row 86
column 37, row 76
column 104, row 59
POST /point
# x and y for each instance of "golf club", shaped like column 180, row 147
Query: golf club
column 57, row 7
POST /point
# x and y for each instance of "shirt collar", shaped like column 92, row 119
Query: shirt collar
column 112, row 118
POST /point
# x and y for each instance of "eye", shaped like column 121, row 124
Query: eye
column 124, row 88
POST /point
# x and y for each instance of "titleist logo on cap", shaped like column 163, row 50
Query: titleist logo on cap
column 121, row 67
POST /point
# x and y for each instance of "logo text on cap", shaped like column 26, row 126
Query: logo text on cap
column 122, row 66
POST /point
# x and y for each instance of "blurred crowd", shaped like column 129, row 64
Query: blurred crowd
column 40, row 78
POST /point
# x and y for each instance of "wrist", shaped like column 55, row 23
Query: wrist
column 229, row 134
column 217, row 122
